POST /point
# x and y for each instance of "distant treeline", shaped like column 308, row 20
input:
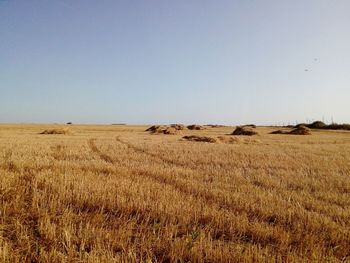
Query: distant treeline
column 322, row 125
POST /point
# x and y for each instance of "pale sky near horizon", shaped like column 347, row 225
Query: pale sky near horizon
column 199, row 61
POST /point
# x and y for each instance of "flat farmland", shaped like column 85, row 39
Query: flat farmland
column 115, row 193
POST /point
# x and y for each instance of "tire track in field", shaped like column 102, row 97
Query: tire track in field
column 167, row 160
column 157, row 158
column 212, row 199
column 153, row 155
column 96, row 150
column 151, row 175
column 179, row 186
column 209, row 198
column 179, row 164
column 256, row 218
column 176, row 184
column 160, row 159
column 182, row 187
column 220, row 203
column 243, row 236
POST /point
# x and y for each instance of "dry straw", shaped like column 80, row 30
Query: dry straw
column 195, row 138
column 64, row 131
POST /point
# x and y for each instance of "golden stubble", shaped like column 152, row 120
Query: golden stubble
column 119, row 194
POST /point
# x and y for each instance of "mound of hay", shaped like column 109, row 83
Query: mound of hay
column 238, row 140
column 195, row 138
column 249, row 126
column 56, row 131
column 159, row 129
column 154, row 128
column 244, row 131
column 278, row 132
column 178, row 127
column 169, row 131
column 314, row 125
column 195, row 127
column 301, row 124
column 301, row 130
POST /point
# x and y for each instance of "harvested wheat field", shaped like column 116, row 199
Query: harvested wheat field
column 119, row 194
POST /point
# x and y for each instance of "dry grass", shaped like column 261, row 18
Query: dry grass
column 118, row 194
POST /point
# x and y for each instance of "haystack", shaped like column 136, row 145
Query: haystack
column 154, row 128
column 178, row 127
column 195, row 127
column 244, row 131
column 195, row 138
column 279, row 132
column 301, row 130
column 314, row 125
column 249, row 126
column 300, row 124
column 169, row 131
column 159, row 129
column 56, row 131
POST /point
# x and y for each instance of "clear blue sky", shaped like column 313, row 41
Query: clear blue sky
column 187, row 61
